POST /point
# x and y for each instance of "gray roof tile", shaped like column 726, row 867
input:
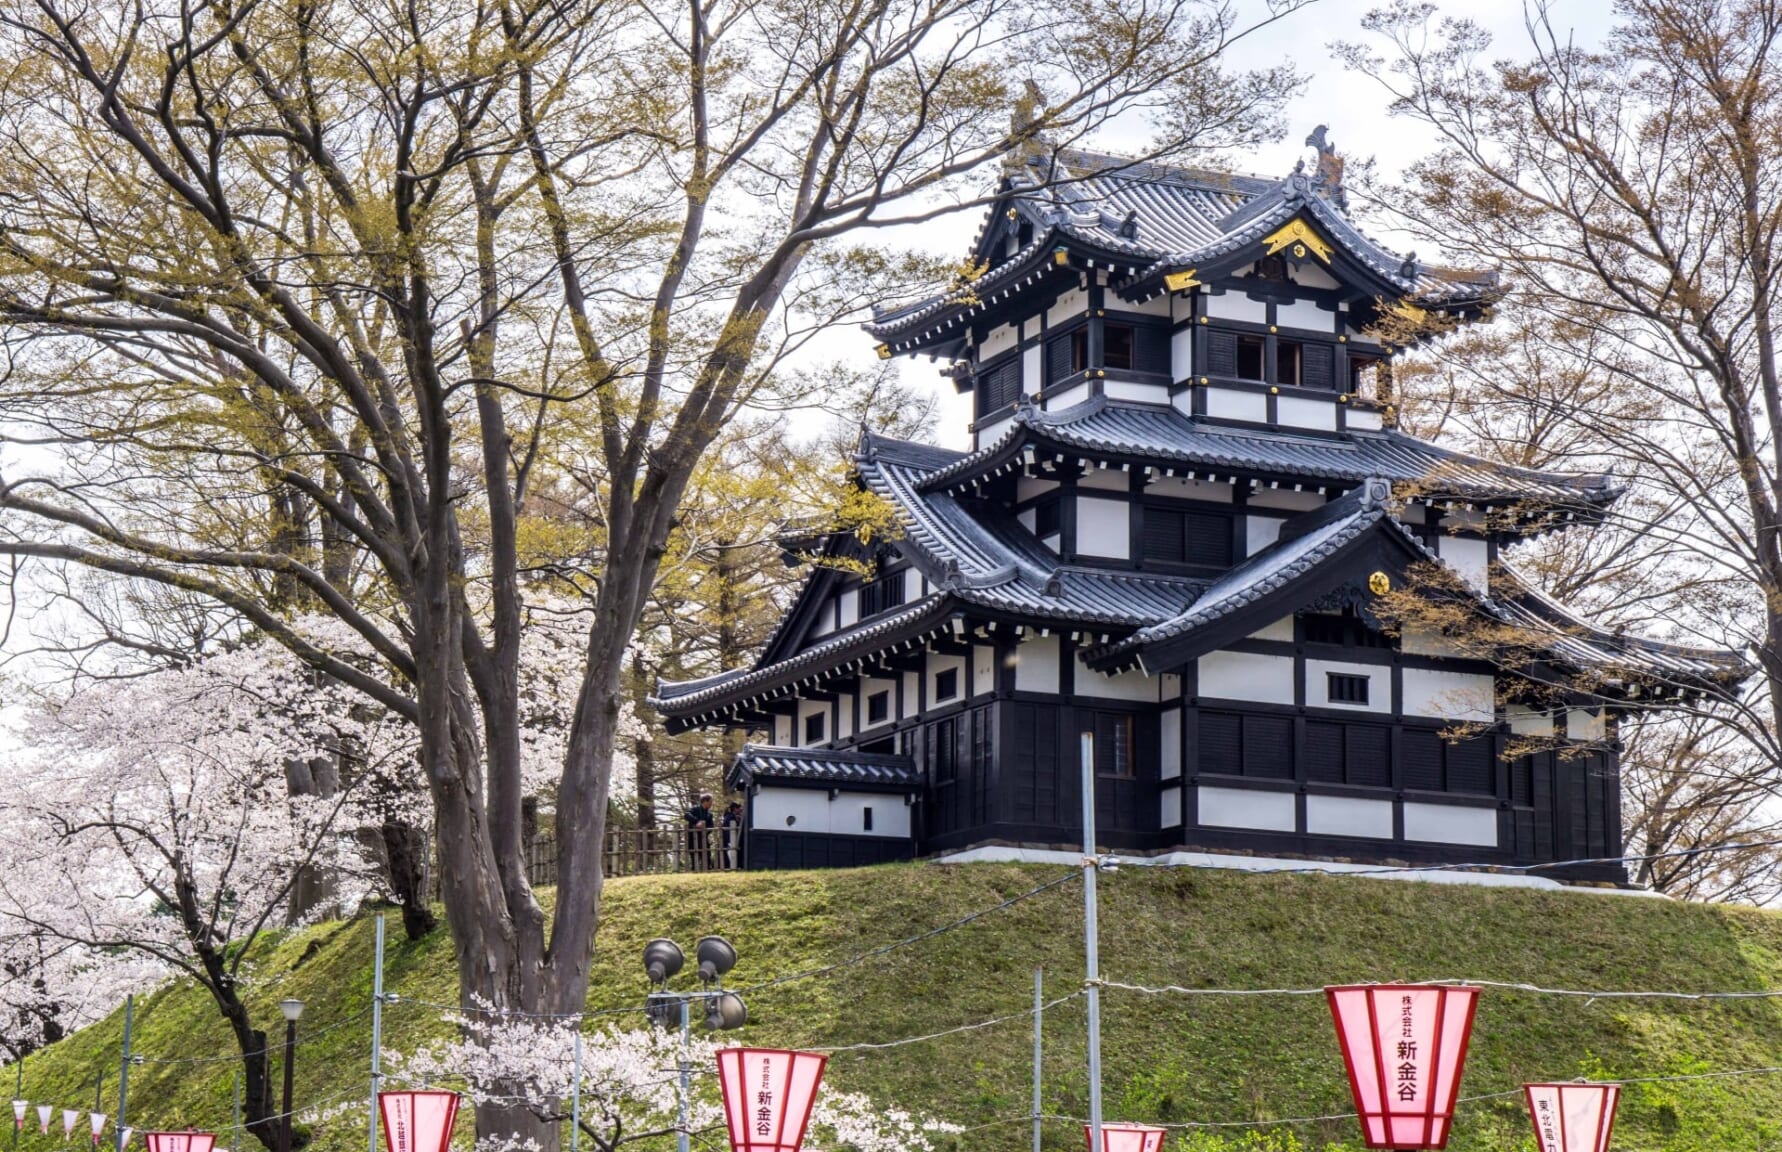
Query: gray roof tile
column 757, row 761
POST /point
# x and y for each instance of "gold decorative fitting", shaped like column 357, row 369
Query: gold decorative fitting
column 1410, row 312
column 1379, row 584
column 1272, row 328
column 1342, row 339
column 1101, row 311
column 1204, row 381
column 1203, row 319
column 1343, row 399
column 1013, row 215
column 1181, row 281
column 884, row 351
column 1299, row 251
column 1100, row 375
column 1298, row 230
column 1273, row 391
column 1060, row 256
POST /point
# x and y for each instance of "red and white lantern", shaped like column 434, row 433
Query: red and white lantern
column 43, row 1117
column 177, row 1141
column 18, row 1114
column 70, row 1117
column 97, row 1119
column 417, row 1121
column 768, row 1093
column 1126, row 1138
column 1405, row 1048
column 1576, row 1117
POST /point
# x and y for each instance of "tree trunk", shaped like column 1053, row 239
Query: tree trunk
column 405, row 856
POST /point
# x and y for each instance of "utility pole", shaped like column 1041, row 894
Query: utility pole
column 1039, row 1007
column 1091, row 945
column 575, row 1095
column 682, row 1138
column 377, row 1025
column 124, row 1073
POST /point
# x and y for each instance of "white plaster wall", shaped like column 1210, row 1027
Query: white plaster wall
column 811, row 810
column 911, row 700
column 1417, row 641
column 1309, row 275
column 1169, row 734
column 1379, row 685
column 1218, row 493
column 1281, row 629
column 1583, row 724
column 1260, row 532
column 1036, row 665
column 1172, row 686
column 1449, row 695
column 782, row 731
column 1028, row 519
column 1027, row 487
column 912, row 585
column 813, row 708
column 1155, row 306
column 983, row 669
column 1451, row 824
column 849, row 603
column 825, row 621
column 1106, row 480
column 1181, row 354
column 869, row 686
column 1181, row 305
column 1247, row 676
column 1363, row 419
column 1070, row 397
column 1230, row 404
column 844, row 715
column 1104, row 528
column 1072, row 304
column 938, row 663
column 1237, row 306
column 1136, row 392
column 1183, row 402
column 989, row 430
column 1468, row 557
column 1169, row 808
column 1129, row 685
column 1307, row 316
column 1033, row 370
column 997, row 341
column 1528, row 722
column 1349, row 816
column 1285, row 498
column 1243, row 808
column 1030, row 327
column 1300, row 412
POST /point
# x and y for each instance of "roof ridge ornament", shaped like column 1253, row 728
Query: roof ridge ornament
column 1329, row 179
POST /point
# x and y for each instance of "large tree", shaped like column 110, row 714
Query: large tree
column 302, row 295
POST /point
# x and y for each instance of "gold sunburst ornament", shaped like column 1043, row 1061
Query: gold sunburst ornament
column 1379, row 583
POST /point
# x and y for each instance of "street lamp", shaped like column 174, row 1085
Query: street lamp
column 292, row 1008
column 663, row 959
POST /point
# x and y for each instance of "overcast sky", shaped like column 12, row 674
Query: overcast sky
column 1354, row 107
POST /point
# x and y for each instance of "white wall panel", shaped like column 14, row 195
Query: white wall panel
column 808, row 708
column 1379, row 685
column 1169, row 735
column 1237, row 306
column 938, row 663
column 782, row 731
column 811, row 810
column 911, row 700
column 1451, row 824
column 1069, row 306
column 1583, row 724
column 983, row 669
column 1169, row 808
column 1285, row 498
column 849, row 603
column 1178, row 487
column 1449, row 695
column 1104, row 528
column 1247, row 676
column 1301, row 412
column 1136, row 392
column 1181, row 354
column 997, row 341
column 1036, row 665
column 870, row 686
column 1033, row 370
column 1307, row 316
column 1230, row 404
column 1349, row 816
column 1129, row 685
column 1468, row 557
column 1243, row 808
column 1260, row 532
column 1281, row 630
column 1364, row 419
column 1528, row 722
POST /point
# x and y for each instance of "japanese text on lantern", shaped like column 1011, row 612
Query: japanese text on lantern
column 1548, row 1122
column 1407, row 1053
column 764, row 1101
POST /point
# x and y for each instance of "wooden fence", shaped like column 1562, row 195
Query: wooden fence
column 635, row 852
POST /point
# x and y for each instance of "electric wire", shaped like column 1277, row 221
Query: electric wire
column 1459, row 982
column 1023, row 1014
column 304, row 1039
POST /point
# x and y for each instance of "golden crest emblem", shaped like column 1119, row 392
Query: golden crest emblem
column 1379, row 584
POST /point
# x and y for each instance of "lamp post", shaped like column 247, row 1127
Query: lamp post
column 292, row 1009
column 662, row 959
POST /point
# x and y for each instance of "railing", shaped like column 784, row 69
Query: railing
column 637, row 852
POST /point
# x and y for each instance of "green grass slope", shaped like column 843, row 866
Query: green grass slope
column 1168, row 1057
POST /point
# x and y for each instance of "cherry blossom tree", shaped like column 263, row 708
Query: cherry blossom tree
column 630, row 1085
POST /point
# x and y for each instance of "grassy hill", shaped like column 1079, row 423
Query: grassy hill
column 1172, row 1058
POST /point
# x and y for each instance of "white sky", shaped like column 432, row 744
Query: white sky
column 1353, row 105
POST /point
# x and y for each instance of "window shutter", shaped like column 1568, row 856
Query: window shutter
column 1469, row 766
column 1317, row 366
column 1058, row 362
column 1365, row 748
column 1220, row 744
column 1163, row 535
column 1422, row 753
column 1268, row 747
column 1221, row 353
column 1207, row 539
column 1324, row 752
column 998, row 387
column 1152, row 351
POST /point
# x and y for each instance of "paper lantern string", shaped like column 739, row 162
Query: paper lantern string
column 43, row 1117
column 97, row 1119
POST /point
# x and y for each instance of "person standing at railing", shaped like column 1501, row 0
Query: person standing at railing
column 732, row 834
column 700, row 820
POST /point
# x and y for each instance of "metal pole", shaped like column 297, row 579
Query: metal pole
column 1039, row 977
column 284, row 1120
column 377, row 1025
column 575, row 1095
column 18, row 1093
column 681, row 1139
column 1091, row 947
column 124, row 1075
column 235, row 1137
